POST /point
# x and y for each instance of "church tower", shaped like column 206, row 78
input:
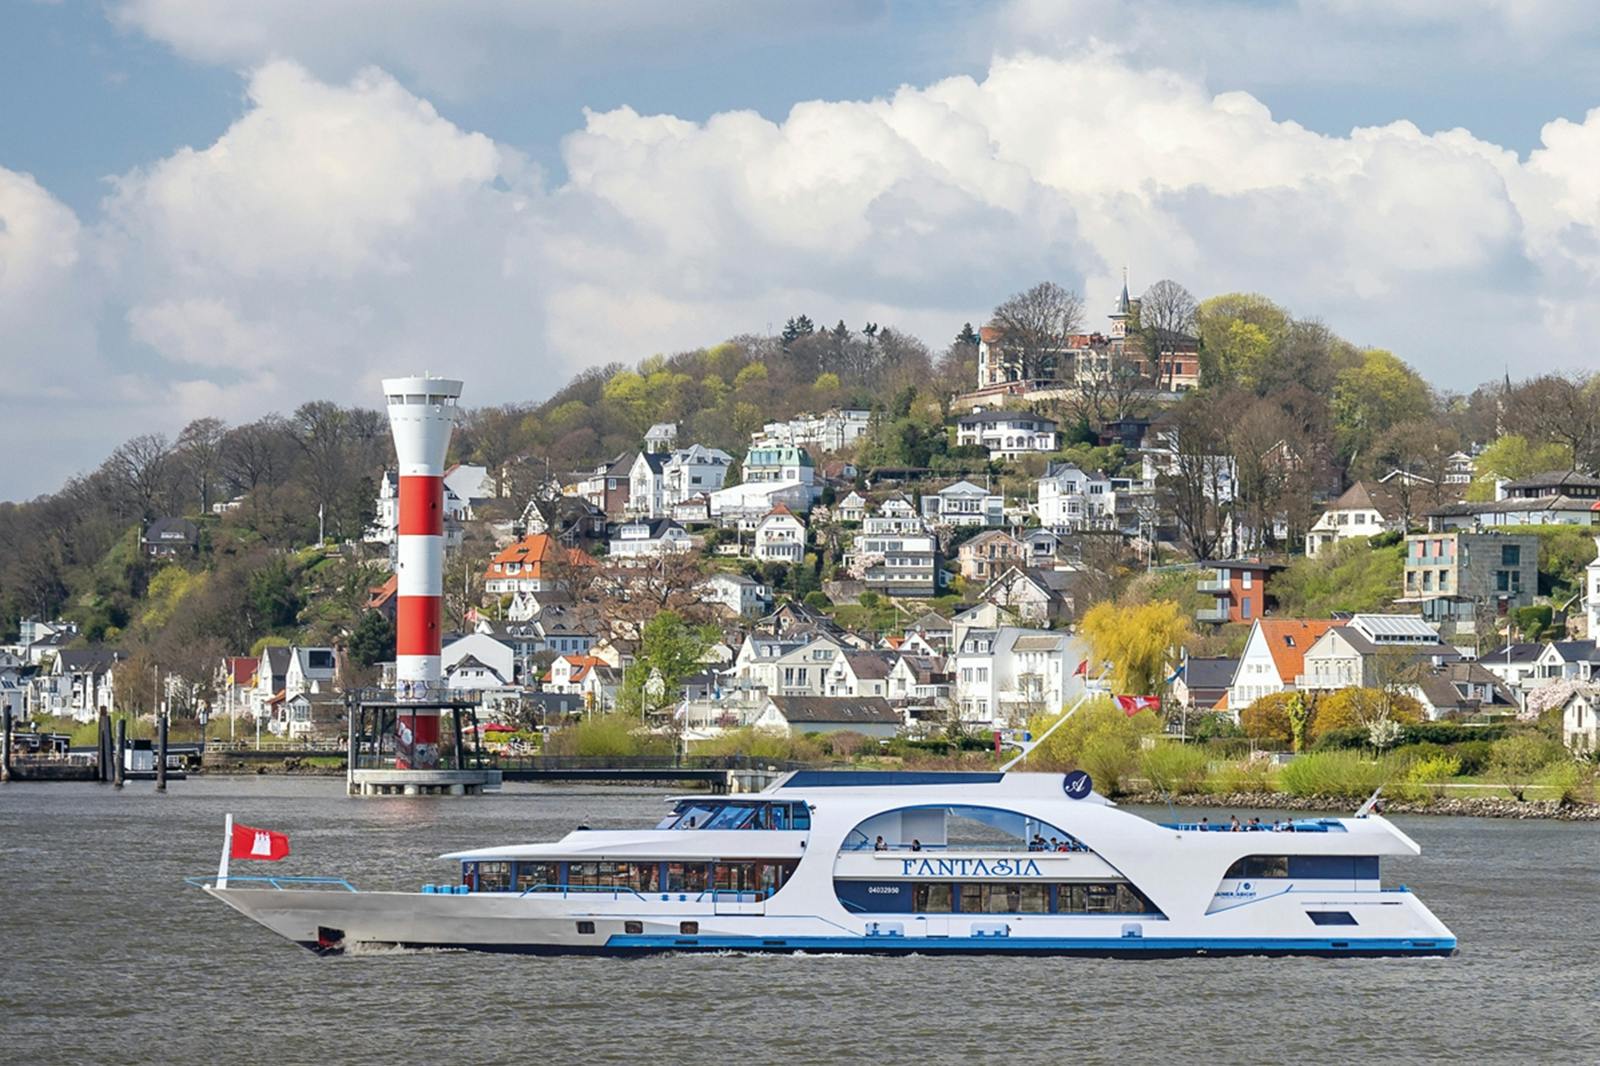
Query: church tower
column 1119, row 317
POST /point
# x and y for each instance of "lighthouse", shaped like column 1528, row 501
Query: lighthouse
column 422, row 414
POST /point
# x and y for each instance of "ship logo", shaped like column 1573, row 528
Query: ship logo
column 262, row 845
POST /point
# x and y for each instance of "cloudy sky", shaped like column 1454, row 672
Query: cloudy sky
column 228, row 209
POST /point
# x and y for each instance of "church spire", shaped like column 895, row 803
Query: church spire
column 1122, row 301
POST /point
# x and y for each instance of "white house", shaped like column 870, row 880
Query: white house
column 1008, row 674
column 1274, row 658
column 1580, row 728
column 786, row 667
column 1067, row 498
column 471, row 674
column 1351, row 654
column 1007, row 434
column 1366, row 509
column 860, row 673
column 661, row 437
column 491, row 652
column 748, row 501
column 829, row 432
column 744, row 597
column 964, row 504
column 649, row 538
column 646, row 485
column 1569, row 660
column 1591, row 593
column 586, row 676
column 893, row 562
column 919, row 678
column 693, row 471
column 853, row 508
column 779, row 463
column 780, row 537
column 309, row 670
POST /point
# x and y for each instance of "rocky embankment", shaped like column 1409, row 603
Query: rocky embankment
column 1466, row 807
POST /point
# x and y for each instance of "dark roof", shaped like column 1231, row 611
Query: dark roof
column 1364, row 495
column 1242, row 564
column 1439, row 683
column 1209, row 674
column 869, row 710
column 1572, row 651
column 1517, row 653
column 1512, row 505
column 170, row 531
column 657, row 527
column 656, row 461
column 926, row 669
column 277, row 659
column 869, row 665
column 1555, row 480
column 88, row 660
column 932, row 622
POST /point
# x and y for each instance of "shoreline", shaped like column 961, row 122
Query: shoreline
column 1469, row 807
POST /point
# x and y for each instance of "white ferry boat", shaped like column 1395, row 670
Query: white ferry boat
column 892, row 863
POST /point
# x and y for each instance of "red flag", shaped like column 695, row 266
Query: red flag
column 264, row 844
column 1083, row 668
column 1132, row 705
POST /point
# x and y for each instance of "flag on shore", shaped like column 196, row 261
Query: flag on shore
column 1082, row 670
column 1132, row 705
column 263, row 844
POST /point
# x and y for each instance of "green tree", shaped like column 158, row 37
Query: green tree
column 372, row 639
column 271, row 596
column 1516, row 761
column 1237, row 332
column 1382, row 391
column 968, row 335
column 670, row 650
column 1511, row 457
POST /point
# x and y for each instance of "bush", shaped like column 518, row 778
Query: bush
column 1109, row 759
column 817, row 600
column 1567, row 779
column 1174, row 767
column 1427, row 775
column 1474, row 755
column 1208, row 725
column 1100, row 721
column 1335, row 774
column 1516, row 761
column 605, row 735
column 1267, row 720
column 1252, row 776
column 1451, row 732
column 763, row 744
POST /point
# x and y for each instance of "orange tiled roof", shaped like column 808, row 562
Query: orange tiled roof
column 1288, row 639
column 379, row 595
column 532, row 552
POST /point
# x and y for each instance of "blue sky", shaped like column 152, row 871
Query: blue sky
column 231, row 209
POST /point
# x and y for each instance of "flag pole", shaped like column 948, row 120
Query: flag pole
column 227, row 848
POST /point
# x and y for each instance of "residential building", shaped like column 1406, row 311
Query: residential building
column 488, row 650
column 746, row 503
column 935, row 629
column 608, row 485
column 1580, row 720
column 1366, row 509
column 1558, row 497
column 1005, row 675
column 853, row 508
column 659, row 481
column 860, row 673
column 1067, row 498
column 1452, row 576
column 742, row 596
column 1516, row 665
column 870, row 716
column 169, row 538
column 828, row 432
column 80, row 682
column 964, row 504
column 1591, row 593
column 1372, row 651
column 1030, row 596
column 645, row 485
column 1570, row 660
column 1006, row 434
column 587, row 676
column 1238, row 588
column 661, row 438
column 895, row 563
column 920, row 678
column 649, row 538
column 1461, row 689
column 236, row 678
column 572, row 520
column 272, row 677
column 534, row 563
column 1203, row 683
column 1567, row 483
column 777, row 463
column 1273, row 658
column 780, row 537
column 471, row 674
column 310, row 669
column 984, row 556
column 1459, row 469
column 786, row 667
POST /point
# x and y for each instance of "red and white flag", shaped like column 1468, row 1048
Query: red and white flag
column 1132, row 705
column 262, row 844
column 1082, row 670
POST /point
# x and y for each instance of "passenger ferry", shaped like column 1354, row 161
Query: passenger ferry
column 892, row 863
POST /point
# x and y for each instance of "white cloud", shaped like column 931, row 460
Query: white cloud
column 340, row 231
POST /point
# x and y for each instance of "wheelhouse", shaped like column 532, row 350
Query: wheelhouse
column 738, row 814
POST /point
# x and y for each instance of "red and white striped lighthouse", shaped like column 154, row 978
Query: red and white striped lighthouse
column 422, row 414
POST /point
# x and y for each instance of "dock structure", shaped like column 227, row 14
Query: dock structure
column 381, row 744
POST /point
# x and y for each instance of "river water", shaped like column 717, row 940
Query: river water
column 105, row 956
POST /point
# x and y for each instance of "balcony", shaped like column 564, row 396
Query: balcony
column 1212, row 584
column 1212, row 614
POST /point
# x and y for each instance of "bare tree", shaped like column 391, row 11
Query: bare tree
column 143, row 469
column 1108, row 393
column 257, row 456
column 1564, row 408
column 1168, row 315
column 199, row 451
column 1196, row 483
column 1035, row 327
column 1416, row 452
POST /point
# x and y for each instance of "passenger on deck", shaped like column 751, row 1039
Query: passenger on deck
column 1205, row 823
column 1234, row 826
column 1066, row 845
column 1255, row 824
column 879, row 845
column 916, row 845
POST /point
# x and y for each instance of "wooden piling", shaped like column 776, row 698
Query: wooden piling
column 103, row 748
column 161, row 752
column 5, row 748
column 461, row 753
column 121, row 759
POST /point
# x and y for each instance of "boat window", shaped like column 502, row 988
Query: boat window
column 492, row 877
column 694, row 816
column 1312, row 867
column 960, row 828
column 686, row 877
column 732, row 816
column 538, row 875
column 994, row 897
column 932, row 898
column 746, row 815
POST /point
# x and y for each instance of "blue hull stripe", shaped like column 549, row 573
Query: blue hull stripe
column 1129, row 948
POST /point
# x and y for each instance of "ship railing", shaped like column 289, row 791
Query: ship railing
column 280, row 883
column 1319, row 826
column 616, row 891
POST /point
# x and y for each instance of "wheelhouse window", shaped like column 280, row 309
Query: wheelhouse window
column 487, row 876
column 696, row 814
column 535, row 876
column 1310, row 867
